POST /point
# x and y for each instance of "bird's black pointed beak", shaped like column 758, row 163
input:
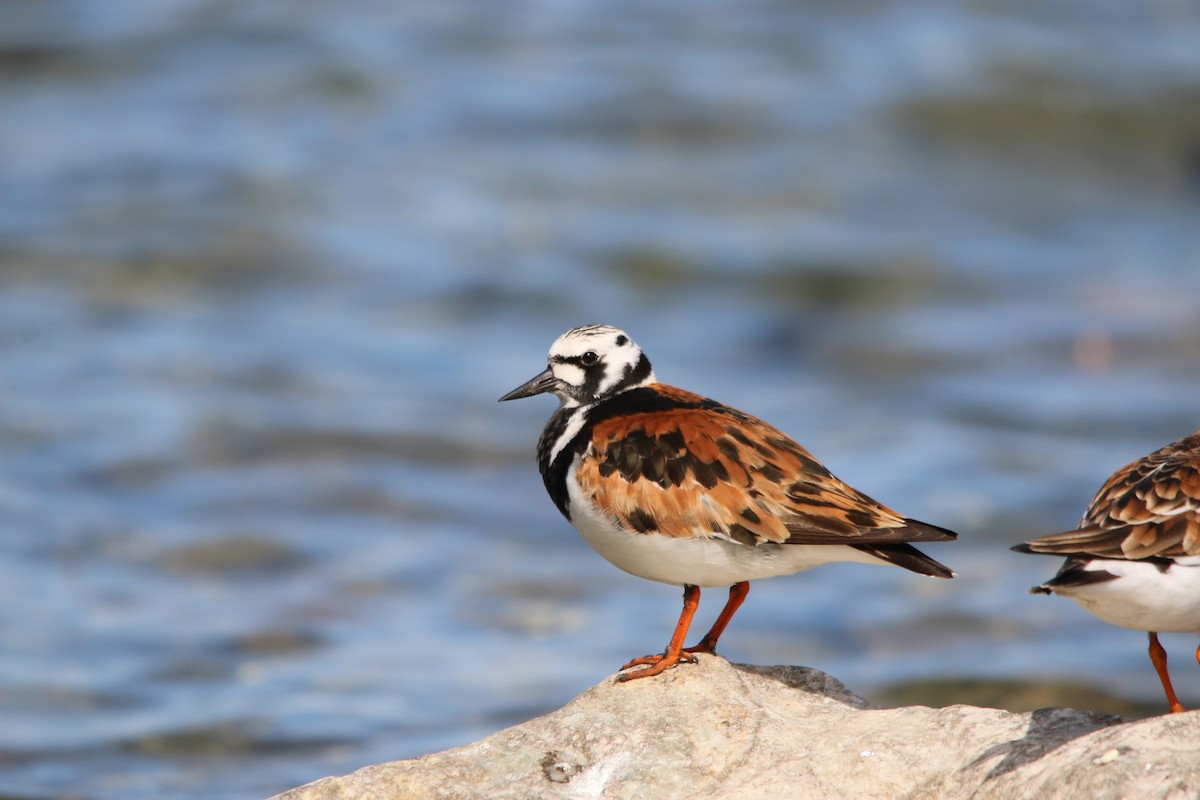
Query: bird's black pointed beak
column 543, row 382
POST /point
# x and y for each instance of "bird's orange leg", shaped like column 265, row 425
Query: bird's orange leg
column 737, row 593
column 674, row 653
column 1158, row 657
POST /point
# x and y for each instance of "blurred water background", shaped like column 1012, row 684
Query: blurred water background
column 265, row 268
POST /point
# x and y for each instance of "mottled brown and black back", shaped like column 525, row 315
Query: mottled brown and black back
column 665, row 461
column 1148, row 509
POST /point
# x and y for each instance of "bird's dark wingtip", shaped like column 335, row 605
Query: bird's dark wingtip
column 924, row 532
column 905, row 555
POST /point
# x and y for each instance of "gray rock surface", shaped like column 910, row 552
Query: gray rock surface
column 719, row 730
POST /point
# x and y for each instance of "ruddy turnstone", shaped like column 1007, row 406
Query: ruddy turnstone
column 676, row 488
column 1134, row 560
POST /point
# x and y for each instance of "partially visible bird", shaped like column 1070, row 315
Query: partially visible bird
column 1134, row 560
column 676, row 488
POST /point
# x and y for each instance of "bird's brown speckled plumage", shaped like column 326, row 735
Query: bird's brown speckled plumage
column 707, row 469
column 680, row 489
column 1134, row 559
column 1149, row 508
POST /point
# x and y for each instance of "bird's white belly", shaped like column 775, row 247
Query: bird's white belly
column 701, row 560
column 1144, row 597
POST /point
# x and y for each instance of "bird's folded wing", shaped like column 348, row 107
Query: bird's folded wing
column 706, row 470
column 1147, row 509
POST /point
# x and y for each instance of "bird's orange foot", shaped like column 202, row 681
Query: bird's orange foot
column 656, row 666
column 685, row 657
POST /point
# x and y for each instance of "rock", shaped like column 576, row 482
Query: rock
column 719, row 730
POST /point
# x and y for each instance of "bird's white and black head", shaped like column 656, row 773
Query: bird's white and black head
column 587, row 365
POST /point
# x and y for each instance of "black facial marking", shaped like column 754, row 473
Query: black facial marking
column 593, row 376
column 596, row 371
column 621, row 340
column 638, row 373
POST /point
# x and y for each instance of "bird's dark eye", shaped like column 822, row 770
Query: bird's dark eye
column 589, row 358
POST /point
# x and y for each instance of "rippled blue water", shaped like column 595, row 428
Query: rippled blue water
column 266, row 267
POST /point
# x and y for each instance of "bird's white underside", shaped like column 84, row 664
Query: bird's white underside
column 1143, row 597
column 702, row 560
